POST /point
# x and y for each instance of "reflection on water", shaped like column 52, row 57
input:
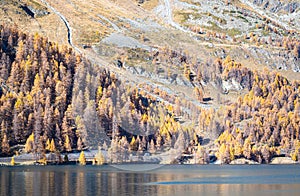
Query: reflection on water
column 168, row 180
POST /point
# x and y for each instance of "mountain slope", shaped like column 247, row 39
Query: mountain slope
column 169, row 67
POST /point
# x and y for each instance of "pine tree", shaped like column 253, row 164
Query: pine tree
column 5, row 145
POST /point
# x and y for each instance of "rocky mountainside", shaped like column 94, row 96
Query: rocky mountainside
column 278, row 6
column 190, row 78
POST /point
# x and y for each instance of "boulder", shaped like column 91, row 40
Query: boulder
column 243, row 161
column 282, row 160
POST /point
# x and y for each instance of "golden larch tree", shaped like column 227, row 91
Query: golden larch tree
column 82, row 159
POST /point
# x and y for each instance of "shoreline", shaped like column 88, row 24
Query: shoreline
column 242, row 161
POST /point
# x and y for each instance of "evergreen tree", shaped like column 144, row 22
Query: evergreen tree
column 5, row 145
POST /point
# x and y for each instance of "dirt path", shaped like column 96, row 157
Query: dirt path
column 63, row 18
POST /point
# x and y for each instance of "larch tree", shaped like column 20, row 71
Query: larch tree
column 296, row 50
column 133, row 144
column 82, row 159
column 68, row 128
column 5, row 145
column 29, row 145
column 221, row 153
column 38, row 127
column 81, row 131
column 52, row 146
column 48, row 143
column 100, row 157
column 152, row 148
column 48, row 120
column 12, row 162
column 91, row 124
column 79, row 144
column 67, row 145
column 19, row 126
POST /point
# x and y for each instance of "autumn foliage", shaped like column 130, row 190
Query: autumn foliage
column 54, row 100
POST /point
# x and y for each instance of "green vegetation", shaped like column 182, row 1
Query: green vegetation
column 185, row 15
column 214, row 26
column 233, row 32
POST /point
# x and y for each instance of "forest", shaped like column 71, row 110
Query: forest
column 55, row 100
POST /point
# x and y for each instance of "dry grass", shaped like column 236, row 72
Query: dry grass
column 49, row 25
column 88, row 26
column 150, row 4
column 83, row 18
column 82, row 15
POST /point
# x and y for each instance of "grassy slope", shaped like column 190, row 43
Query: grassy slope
column 83, row 17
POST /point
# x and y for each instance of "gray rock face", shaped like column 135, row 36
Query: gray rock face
column 122, row 40
column 276, row 5
column 258, row 2
column 292, row 7
column 282, row 160
column 38, row 12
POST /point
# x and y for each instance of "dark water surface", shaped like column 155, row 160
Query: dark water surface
column 166, row 180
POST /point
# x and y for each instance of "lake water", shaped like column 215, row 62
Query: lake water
column 137, row 180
